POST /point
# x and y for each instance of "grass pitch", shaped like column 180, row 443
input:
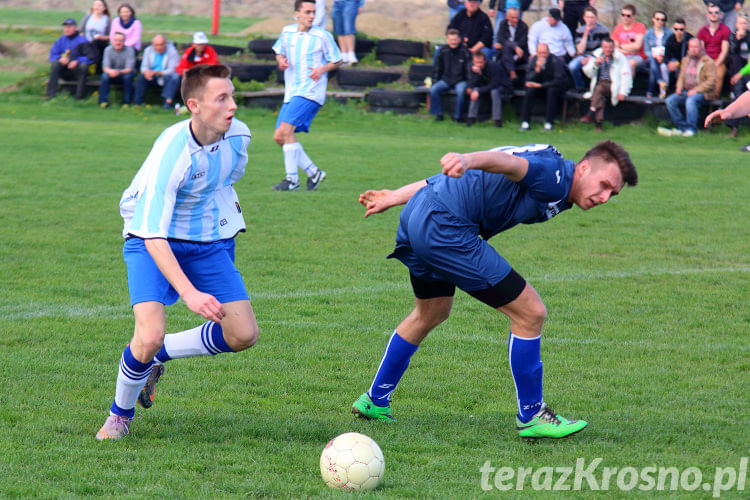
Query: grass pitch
column 647, row 335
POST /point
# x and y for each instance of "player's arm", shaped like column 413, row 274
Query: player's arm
column 495, row 162
column 739, row 108
column 200, row 303
column 379, row 201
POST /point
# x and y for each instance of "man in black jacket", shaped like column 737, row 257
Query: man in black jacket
column 675, row 48
column 474, row 27
column 450, row 70
column 512, row 40
column 487, row 77
column 546, row 80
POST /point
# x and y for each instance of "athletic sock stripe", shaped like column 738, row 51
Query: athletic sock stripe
column 206, row 338
column 133, row 375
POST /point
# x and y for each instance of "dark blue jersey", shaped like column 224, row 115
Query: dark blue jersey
column 494, row 203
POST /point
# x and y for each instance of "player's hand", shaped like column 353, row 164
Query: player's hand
column 717, row 116
column 205, row 305
column 316, row 73
column 283, row 63
column 454, row 164
column 376, row 201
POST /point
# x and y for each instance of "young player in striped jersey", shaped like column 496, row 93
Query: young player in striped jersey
column 442, row 239
column 306, row 54
column 181, row 215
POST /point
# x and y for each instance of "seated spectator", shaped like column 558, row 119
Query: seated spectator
column 158, row 67
column 487, row 77
column 95, row 27
column 512, row 42
column 474, row 27
column 199, row 53
column 450, row 71
column 554, row 34
column 611, row 79
column 128, row 24
column 729, row 9
column 546, row 80
column 654, row 41
column 696, row 84
column 118, row 66
column 589, row 37
column 739, row 51
column 628, row 37
column 70, row 57
column 499, row 9
column 572, row 11
column 675, row 48
column 715, row 38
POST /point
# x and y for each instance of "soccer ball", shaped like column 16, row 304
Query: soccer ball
column 352, row 461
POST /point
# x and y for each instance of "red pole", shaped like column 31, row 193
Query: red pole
column 215, row 25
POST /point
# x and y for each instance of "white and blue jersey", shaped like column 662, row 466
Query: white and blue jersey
column 306, row 51
column 443, row 229
column 184, row 190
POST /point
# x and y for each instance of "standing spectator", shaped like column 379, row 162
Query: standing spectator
column 306, row 54
column 739, row 51
column 715, row 38
column 344, row 14
column 554, row 34
column 487, row 77
column 675, row 49
column 128, row 24
column 474, row 28
column 158, row 70
column 450, row 71
column 589, row 37
column 729, row 9
column 199, row 53
column 696, row 84
column 546, row 80
column 69, row 57
column 611, row 79
column 628, row 37
column 572, row 11
column 95, row 27
column 320, row 20
column 654, row 41
column 118, row 66
column 512, row 42
column 454, row 6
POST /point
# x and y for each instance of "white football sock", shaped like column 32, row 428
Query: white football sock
column 290, row 161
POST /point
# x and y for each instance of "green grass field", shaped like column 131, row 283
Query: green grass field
column 647, row 335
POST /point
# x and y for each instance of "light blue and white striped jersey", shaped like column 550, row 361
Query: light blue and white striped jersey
column 185, row 190
column 306, row 51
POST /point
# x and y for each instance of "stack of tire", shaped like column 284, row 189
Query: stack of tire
column 248, row 72
column 261, row 48
column 359, row 79
column 418, row 72
column 392, row 52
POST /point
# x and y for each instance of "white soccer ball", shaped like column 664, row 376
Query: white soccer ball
column 352, row 461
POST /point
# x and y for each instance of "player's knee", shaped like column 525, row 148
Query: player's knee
column 536, row 313
column 279, row 136
column 148, row 340
column 244, row 337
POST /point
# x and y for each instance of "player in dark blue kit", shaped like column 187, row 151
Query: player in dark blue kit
column 442, row 239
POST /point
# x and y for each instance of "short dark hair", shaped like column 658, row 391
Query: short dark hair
column 630, row 7
column 607, row 40
column 592, row 10
column 194, row 80
column 611, row 152
column 452, row 31
column 659, row 11
column 480, row 55
column 680, row 20
column 298, row 4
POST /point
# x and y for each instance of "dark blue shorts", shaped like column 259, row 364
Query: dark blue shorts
column 299, row 112
column 208, row 266
column 438, row 246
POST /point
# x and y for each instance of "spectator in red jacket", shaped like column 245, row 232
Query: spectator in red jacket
column 198, row 53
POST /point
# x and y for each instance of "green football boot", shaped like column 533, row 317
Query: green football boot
column 547, row 424
column 363, row 407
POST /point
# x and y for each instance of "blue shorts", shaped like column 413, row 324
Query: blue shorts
column 208, row 266
column 436, row 245
column 344, row 15
column 299, row 112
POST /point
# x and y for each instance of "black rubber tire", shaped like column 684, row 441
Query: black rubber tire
column 247, row 72
column 363, row 47
column 401, row 48
column 392, row 59
column 361, row 78
column 387, row 98
column 227, row 50
column 261, row 48
column 418, row 72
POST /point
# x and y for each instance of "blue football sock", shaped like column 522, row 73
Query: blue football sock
column 526, row 366
column 394, row 363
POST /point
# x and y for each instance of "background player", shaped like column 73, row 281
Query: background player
column 181, row 215
column 442, row 239
column 306, row 54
